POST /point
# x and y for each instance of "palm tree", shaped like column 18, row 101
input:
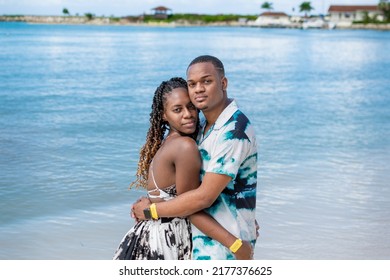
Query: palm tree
column 65, row 11
column 267, row 6
column 305, row 7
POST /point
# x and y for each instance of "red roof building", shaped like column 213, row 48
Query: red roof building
column 348, row 14
column 274, row 14
column 352, row 9
column 272, row 19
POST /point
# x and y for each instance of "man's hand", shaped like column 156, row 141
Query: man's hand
column 245, row 252
column 138, row 207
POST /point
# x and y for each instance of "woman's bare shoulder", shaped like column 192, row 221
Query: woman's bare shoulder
column 184, row 144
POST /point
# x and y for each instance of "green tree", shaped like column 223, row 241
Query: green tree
column 366, row 18
column 267, row 6
column 384, row 6
column 305, row 7
column 89, row 16
column 65, row 11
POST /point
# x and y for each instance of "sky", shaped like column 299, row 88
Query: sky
column 136, row 7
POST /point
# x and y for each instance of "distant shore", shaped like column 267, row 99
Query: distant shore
column 109, row 21
column 133, row 21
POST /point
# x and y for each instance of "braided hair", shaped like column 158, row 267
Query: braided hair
column 157, row 129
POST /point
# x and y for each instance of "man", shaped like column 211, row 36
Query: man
column 227, row 144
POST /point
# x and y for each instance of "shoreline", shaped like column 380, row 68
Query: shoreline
column 83, row 20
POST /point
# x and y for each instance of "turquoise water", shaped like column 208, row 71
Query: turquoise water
column 74, row 107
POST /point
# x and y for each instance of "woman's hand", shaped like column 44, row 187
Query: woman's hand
column 137, row 209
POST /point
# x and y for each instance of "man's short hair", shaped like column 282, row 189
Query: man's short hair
column 218, row 65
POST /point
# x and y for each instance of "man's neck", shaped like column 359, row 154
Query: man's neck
column 212, row 116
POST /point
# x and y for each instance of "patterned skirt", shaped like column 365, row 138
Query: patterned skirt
column 164, row 239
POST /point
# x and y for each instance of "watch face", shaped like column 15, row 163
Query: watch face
column 147, row 213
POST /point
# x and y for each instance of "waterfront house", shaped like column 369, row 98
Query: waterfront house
column 346, row 15
column 161, row 12
column 272, row 19
column 317, row 23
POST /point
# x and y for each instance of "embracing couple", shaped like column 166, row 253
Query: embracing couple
column 201, row 176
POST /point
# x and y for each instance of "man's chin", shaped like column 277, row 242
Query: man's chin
column 202, row 107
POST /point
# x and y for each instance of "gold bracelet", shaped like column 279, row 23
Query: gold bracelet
column 153, row 211
column 236, row 245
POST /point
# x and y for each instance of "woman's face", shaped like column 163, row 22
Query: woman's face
column 179, row 112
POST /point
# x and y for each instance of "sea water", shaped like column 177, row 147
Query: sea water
column 74, row 111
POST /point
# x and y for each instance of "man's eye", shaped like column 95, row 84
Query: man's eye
column 191, row 85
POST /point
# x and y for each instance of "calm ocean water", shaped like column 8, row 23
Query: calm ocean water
column 74, row 106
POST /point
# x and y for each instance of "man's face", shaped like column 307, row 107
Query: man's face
column 206, row 87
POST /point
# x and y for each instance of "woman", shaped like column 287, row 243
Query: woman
column 168, row 167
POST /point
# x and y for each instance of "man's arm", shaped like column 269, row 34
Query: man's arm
column 189, row 202
column 210, row 227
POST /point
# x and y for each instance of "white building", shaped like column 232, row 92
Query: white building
column 272, row 19
column 346, row 15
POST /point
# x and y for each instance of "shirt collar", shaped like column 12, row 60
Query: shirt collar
column 226, row 114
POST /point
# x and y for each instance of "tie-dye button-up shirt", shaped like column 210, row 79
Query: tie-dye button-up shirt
column 229, row 147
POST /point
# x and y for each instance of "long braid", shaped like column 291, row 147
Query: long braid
column 157, row 129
